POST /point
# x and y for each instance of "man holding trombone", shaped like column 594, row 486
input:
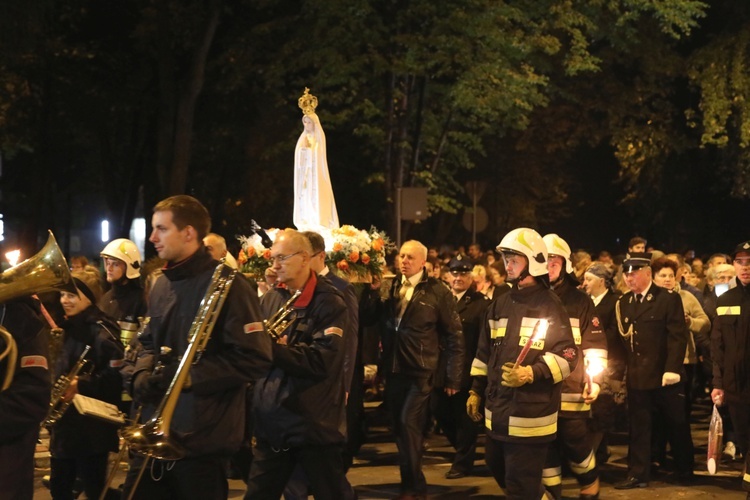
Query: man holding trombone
column 207, row 331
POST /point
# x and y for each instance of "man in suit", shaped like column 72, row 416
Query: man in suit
column 651, row 322
column 450, row 411
column 420, row 314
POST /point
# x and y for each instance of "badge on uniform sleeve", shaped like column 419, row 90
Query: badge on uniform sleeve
column 333, row 330
column 569, row 353
column 34, row 362
column 116, row 363
column 253, row 327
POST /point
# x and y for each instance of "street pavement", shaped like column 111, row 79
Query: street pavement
column 375, row 474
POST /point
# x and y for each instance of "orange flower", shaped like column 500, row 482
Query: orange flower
column 242, row 257
column 343, row 265
column 337, row 247
column 354, row 256
column 267, row 254
column 377, row 245
column 250, row 251
column 365, row 259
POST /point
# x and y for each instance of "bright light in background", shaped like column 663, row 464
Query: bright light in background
column 13, row 257
column 105, row 231
column 138, row 234
column 2, row 228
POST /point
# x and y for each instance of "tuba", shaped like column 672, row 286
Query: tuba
column 152, row 439
column 45, row 271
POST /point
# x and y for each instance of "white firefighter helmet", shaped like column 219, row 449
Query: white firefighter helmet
column 126, row 251
column 529, row 243
column 558, row 246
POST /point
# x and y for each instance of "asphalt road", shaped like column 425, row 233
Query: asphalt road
column 375, row 472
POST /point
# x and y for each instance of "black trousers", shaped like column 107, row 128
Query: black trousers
column 17, row 466
column 740, row 412
column 517, row 467
column 574, row 443
column 271, row 471
column 670, row 403
column 408, row 400
column 190, row 478
column 91, row 469
column 461, row 431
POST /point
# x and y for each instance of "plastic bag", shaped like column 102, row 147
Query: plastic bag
column 715, row 438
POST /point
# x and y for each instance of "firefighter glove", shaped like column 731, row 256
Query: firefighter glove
column 518, row 376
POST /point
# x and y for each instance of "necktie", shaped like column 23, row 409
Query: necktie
column 638, row 298
column 403, row 296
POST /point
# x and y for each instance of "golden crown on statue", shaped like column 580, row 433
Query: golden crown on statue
column 308, row 102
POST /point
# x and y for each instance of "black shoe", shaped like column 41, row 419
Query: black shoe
column 589, row 496
column 630, row 483
column 454, row 474
column 686, row 478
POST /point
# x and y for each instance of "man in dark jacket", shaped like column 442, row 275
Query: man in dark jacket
column 651, row 322
column 450, row 411
column 209, row 418
column 24, row 394
column 299, row 406
column 421, row 315
column 730, row 350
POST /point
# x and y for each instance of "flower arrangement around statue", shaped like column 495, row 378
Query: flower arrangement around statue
column 254, row 258
column 356, row 254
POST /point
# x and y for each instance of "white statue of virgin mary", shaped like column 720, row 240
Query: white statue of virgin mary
column 314, row 206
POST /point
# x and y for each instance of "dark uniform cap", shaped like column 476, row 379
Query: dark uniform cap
column 460, row 263
column 636, row 260
column 742, row 247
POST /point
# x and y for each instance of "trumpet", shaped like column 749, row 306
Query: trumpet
column 276, row 324
column 58, row 405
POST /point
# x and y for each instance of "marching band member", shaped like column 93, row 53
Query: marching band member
column 209, row 418
column 299, row 406
column 24, row 394
column 79, row 444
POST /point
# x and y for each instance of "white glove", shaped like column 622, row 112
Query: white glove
column 669, row 378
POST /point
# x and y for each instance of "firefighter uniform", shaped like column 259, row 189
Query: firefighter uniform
column 522, row 421
column 574, row 438
column 729, row 350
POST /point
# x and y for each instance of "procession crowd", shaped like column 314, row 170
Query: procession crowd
column 540, row 348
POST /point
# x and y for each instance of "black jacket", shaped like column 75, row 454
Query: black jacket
column 730, row 343
column 471, row 309
column 412, row 348
column 210, row 415
column 590, row 341
column 301, row 400
column 527, row 413
column 24, row 403
column 75, row 435
column 124, row 302
column 659, row 336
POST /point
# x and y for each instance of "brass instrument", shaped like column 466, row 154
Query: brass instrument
column 276, row 324
column 45, row 271
column 57, row 405
column 152, row 439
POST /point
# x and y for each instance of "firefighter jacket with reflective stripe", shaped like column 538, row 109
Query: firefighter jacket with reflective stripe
column 729, row 343
column 591, row 343
column 527, row 413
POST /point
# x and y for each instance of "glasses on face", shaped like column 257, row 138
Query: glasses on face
column 280, row 259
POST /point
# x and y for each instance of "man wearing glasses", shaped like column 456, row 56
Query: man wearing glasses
column 731, row 354
column 299, row 406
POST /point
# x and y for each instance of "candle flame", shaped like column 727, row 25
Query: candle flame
column 594, row 367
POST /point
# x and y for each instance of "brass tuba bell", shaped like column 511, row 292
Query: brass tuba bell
column 45, row 271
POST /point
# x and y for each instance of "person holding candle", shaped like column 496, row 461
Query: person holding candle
column 526, row 348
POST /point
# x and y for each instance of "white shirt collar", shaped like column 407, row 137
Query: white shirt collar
column 414, row 279
column 599, row 298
